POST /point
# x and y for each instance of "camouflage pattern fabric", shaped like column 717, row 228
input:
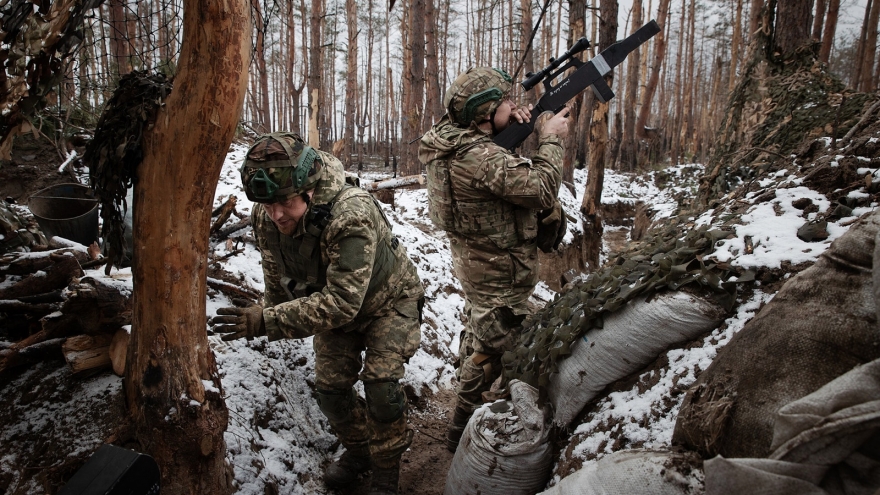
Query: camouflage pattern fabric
column 497, row 265
column 17, row 234
column 344, row 317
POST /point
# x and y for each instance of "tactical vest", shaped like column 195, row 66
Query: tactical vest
column 499, row 220
column 299, row 258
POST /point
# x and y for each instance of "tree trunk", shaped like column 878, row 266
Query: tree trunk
column 866, row 81
column 830, row 30
column 818, row 19
column 576, row 144
column 654, row 78
column 414, row 87
column 317, row 124
column 794, row 32
column 351, row 80
column 591, row 207
column 736, row 45
column 628, row 155
column 263, row 120
column 173, row 392
column 119, row 41
column 433, row 102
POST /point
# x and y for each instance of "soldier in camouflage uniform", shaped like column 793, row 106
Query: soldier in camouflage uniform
column 497, row 208
column 334, row 271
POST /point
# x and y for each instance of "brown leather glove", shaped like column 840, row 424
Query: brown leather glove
column 244, row 320
column 552, row 225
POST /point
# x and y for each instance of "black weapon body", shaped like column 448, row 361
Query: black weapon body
column 587, row 74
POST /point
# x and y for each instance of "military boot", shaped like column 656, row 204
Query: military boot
column 345, row 470
column 385, row 480
column 455, row 428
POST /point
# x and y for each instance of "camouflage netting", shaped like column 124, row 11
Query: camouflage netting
column 115, row 152
column 774, row 108
column 39, row 38
column 668, row 261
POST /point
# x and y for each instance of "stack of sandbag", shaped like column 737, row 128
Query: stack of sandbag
column 504, row 449
column 821, row 324
column 636, row 472
column 826, row 443
column 630, row 339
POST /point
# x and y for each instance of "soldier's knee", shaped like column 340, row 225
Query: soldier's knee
column 386, row 400
column 336, row 404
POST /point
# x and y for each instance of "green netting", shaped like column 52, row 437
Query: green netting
column 666, row 262
column 115, row 152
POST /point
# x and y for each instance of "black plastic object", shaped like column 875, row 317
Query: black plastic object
column 115, row 471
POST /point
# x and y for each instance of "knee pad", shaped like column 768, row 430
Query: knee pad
column 386, row 401
column 336, row 404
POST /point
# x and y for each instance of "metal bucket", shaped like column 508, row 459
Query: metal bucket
column 67, row 210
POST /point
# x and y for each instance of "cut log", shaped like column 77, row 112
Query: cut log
column 395, row 183
column 87, row 352
column 20, row 308
column 14, row 357
column 55, row 276
column 26, row 263
column 118, row 350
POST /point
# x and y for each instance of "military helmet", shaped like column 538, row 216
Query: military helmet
column 475, row 94
column 279, row 165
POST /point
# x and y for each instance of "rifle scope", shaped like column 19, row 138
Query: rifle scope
column 533, row 79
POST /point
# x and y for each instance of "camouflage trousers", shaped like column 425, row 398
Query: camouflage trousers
column 375, row 354
column 489, row 333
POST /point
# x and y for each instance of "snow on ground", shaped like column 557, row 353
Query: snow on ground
column 278, row 437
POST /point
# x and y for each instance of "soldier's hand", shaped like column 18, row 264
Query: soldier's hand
column 243, row 320
column 521, row 114
column 548, row 123
column 552, row 225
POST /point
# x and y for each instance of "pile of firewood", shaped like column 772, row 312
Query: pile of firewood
column 50, row 307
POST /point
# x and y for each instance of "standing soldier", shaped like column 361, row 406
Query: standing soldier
column 497, row 208
column 333, row 269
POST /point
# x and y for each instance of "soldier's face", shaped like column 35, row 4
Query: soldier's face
column 287, row 214
column 504, row 114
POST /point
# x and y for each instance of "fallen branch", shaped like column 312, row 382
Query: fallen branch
column 232, row 290
column 225, row 233
column 87, row 352
column 225, row 212
column 55, row 276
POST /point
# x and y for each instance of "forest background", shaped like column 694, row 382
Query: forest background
column 365, row 79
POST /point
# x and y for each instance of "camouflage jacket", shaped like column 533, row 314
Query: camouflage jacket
column 492, row 184
column 348, row 247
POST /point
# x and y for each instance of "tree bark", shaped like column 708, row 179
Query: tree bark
column 263, row 120
column 830, row 30
column 433, row 102
column 173, row 391
column 628, row 155
column 119, row 41
column 414, row 87
column 351, row 80
column 866, row 81
column 794, row 30
column 591, row 207
column 576, row 144
column 654, row 78
column 818, row 19
column 317, row 124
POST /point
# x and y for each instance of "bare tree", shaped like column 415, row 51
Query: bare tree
column 413, row 86
column 317, row 122
column 351, row 80
column 591, row 205
column 628, row 155
column 830, row 30
column 172, row 388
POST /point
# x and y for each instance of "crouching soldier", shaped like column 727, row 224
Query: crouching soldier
column 334, row 271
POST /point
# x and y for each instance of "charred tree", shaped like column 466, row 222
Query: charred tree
column 173, row 391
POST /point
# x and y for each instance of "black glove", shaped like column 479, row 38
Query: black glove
column 244, row 320
column 552, row 225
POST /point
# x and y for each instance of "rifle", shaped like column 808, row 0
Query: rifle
column 587, row 74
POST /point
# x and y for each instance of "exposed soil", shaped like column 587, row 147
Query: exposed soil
column 34, row 166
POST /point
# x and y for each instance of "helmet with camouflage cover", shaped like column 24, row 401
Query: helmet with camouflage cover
column 279, row 165
column 475, row 94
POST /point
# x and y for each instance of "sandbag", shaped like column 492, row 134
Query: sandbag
column 505, row 449
column 630, row 339
column 636, row 472
column 821, row 324
column 825, row 443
